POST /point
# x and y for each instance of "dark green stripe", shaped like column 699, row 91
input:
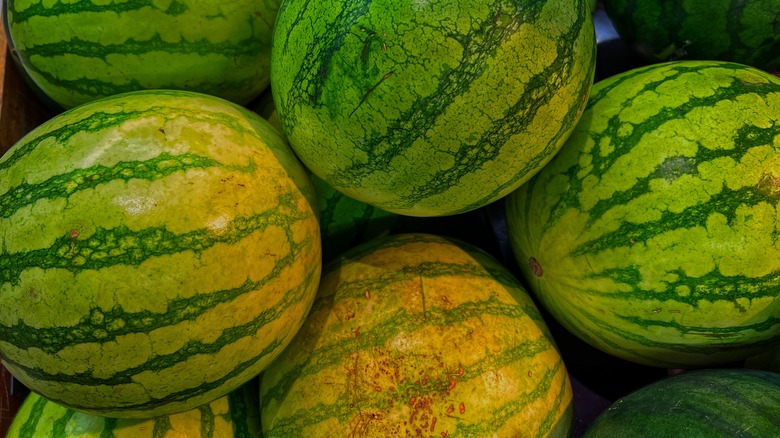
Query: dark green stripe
column 294, row 424
column 207, row 420
column 421, row 272
column 96, row 88
column 423, row 115
column 726, row 203
column 518, row 117
column 162, row 425
column 122, row 246
column 711, row 287
column 30, row 426
column 90, row 49
column 717, row 334
column 603, row 162
column 308, row 82
column 712, row 403
column 485, row 266
column 715, row 347
column 192, row 348
column 60, row 425
column 554, row 424
column 394, row 323
column 239, row 412
column 90, row 123
column 66, row 184
column 507, row 411
column 95, row 122
column 182, row 310
column 109, row 425
column 89, row 6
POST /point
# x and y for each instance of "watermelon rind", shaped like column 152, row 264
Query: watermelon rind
column 418, row 335
column 79, row 51
column 651, row 234
column 158, row 250
column 712, row 403
column 430, row 108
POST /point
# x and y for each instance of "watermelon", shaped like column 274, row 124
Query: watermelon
column 651, row 234
column 745, row 32
column 158, row 250
column 235, row 415
column 344, row 221
column 418, row 335
column 714, row 403
column 78, row 51
column 430, row 108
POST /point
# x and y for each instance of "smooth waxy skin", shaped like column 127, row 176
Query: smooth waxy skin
column 745, row 32
column 652, row 234
column 235, row 415
column 78, row 51
column 430, row 108
column 717, row 403
column 418, row 335
column 158, row 250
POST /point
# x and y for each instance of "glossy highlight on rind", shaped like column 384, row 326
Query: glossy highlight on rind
column 713, row 403
column 415, row 334
column 655, row 226
column 79, row 51
column 430, row 108
column 158, row 250
column 235, row 415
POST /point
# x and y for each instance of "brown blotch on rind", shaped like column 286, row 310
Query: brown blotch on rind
column 769, row 185
column 536, row 268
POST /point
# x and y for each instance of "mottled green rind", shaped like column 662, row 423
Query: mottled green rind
column 344, row 222
column 416, row 334
column 76, row 52
column 158, row 249
column 654, row 232
column 746, row 32
column 432, row 108
column 716, row 403
column 236, row 415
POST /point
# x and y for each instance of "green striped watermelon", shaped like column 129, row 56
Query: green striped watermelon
column 430, row 108
column 715, row 403
column 344, row 221
column 235, row 415
column 78, row 51
column 418, row 335
column 158, row 250
column 652, row 234
column 746, row 32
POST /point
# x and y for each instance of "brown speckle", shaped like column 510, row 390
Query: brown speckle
column 769, row 185
column 536, row 268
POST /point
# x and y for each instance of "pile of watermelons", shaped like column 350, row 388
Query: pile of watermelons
column 394, row 218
